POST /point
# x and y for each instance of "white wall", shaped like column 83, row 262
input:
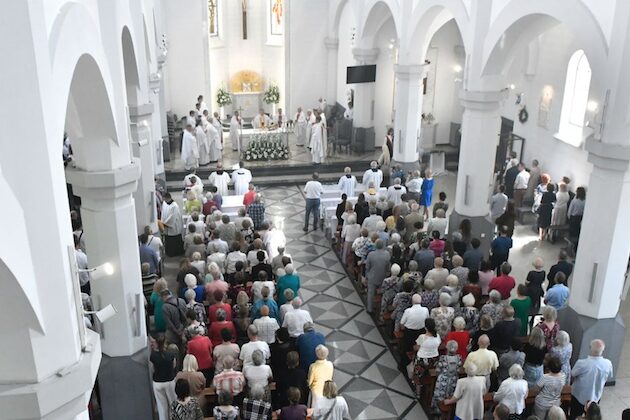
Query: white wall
column 347, row 25
column 384, row 85
column 446, row 105
column 307, row 54
column 556, row 157
column 187, row 71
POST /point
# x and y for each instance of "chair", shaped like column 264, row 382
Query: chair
column 342, row 134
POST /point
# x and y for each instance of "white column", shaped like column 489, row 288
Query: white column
column 602, row 258
column 408, row 104
column 332, row 48
column 364, row 92
column 109, row 220
column 480, row 135
column 143, row 148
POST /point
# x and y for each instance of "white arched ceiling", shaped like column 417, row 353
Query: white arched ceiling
column 377, row 13
column 132, row 80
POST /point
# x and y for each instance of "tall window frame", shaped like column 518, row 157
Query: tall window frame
column 575, row 99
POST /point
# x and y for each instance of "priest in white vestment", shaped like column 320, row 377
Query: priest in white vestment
column 261, row 120
column 190, row 149
column 300, row 127
column 188, row 180
column 216, row 122
column 241, row 178
column 273, row 240
column 395, row 192
column 202, row 105
column 214, row 143
column 203, row 143
column 235, row 136
column 310, row 120
column 220, row 179
column 173, row 225
column 319, row 142
column 191, row 119
column 374, row 175
column 348, row 183
column 322, row 115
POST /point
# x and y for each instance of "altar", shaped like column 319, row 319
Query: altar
column 247, row 103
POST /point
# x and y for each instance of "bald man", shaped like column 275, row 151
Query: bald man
column 347, row 183
column 589, row 378
column 266, row 325
column 485, row 360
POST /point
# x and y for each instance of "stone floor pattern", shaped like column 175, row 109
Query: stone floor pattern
column 365, row 369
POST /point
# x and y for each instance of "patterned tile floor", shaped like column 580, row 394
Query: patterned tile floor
column 365, row 370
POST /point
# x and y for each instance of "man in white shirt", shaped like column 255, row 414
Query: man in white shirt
column 294, row 320
column 373, row 175
column 266, row 325
column 154, row 242
column 372, row 220
column 412, row 321
column 254, row 344
column 498, row 203
column 395, row 192
column 520, row 185
column 414, row 186
column 313, row 191
column 348, row 182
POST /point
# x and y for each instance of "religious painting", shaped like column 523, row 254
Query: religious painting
column 544, row 107
column 213, row 17
column 276, row 16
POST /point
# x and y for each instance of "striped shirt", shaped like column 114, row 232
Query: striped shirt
column 230, row 381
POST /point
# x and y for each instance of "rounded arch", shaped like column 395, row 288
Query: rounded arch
column 378, row 13
column 89, row 117
column 427, row 18
column 130, row 65
column 518, row 25
column 335, row 12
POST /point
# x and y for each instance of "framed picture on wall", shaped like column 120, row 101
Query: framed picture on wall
column 213, row 17
column 276, row 14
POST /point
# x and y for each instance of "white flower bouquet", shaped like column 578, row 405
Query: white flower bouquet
column 223, row 97
column 266, row 147
column 272, row 95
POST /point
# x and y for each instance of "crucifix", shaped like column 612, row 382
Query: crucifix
column 244, row 6
column 212, row 9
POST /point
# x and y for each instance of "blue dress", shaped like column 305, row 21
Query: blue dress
column 426, row 193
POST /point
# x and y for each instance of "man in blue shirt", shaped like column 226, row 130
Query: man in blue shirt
column 306, row 344
column 500, row 249
column 148, row 255
column 589, row 377
column 558, row 295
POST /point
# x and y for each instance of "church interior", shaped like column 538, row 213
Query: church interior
column 184, row 146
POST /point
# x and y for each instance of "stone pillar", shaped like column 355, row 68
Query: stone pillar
column 143, row 148
column 363, row 120
column 109, row 219
column 480, row 135
column 408, row 105
column 332, row 48
column 599, row 277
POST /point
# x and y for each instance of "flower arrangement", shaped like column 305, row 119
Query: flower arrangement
column 223, row 97
column 266, row 147
column 272, row 95
column 428, row 118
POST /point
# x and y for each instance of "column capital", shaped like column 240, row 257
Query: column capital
column 615, row 157
column 155, row 80
column 365, row 55
column 482, row 100
column 331, row 43
column 105, row 185
column 409, row 71
column 141, row 110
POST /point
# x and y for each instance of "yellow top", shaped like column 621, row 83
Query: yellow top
column 319, row 372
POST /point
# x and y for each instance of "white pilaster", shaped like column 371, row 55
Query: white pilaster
column 332, row 49
column 109, row 220
column 480, row 135
column 364, row 92
column 602, row 258
column 408, row 102
column 143, row 146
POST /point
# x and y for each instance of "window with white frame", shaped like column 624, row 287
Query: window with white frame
column 575, row 100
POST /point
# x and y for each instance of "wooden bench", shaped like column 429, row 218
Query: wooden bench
column 447, row 411
column 274, row 415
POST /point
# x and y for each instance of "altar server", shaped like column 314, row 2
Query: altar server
column 319, row 141
column 374, row 175
column 300, row 126
column 261, row 120
column 203, row 143
column 235, row 135
column 241, row 178
column 348, row 183
column 216, row 122
column 214, row 143
column 172, row 224
column 190, row 149
column 220, row 179
column 202, row 105
column 310, row 120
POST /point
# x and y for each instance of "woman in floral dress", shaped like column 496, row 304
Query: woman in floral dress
column 443, row 315
column 447, row 369
column 390, row 287
column 402, row 301
column 563, row 351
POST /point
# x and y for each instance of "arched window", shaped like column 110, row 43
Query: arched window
column 575, row 99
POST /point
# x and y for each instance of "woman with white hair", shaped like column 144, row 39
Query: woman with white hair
column 468, row 395
column 351, row 230
column 197, row 262
column 214, row 273
column 513, row 391
column 453, row 289
column 196, row 379
column 390, row 286
column 556, row 413
column 215, row 256
column 258, row 374
column 289, row 280
column 191, row 284
column 319, row 372
column 439, row 222
column 191, row 303
column 494, row 307
column 470, row 313
column 443, row 315
column 563, row 351
column 559, row 214
column 549, row 325
column 447, row 370
column 460, row 336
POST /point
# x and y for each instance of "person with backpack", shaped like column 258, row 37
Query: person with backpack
column 174, row 313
